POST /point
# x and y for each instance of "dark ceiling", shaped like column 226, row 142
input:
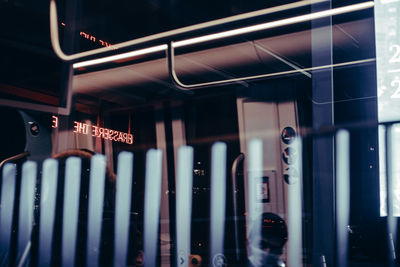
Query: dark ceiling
column 116, row 20
column 28, row 62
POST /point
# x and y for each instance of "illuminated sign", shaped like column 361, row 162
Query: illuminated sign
column 92, row 38
column 99, row 132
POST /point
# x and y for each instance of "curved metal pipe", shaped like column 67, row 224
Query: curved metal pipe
column 235, row 165
column 57, row 48
column 182, row 86
column 13, row 158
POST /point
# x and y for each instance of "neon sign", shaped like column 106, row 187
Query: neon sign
column 98, row 132
column 92, row 38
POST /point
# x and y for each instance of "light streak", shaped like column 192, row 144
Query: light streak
column 230, row 33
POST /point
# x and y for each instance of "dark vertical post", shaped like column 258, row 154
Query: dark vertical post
column 323, row 147
column 71, row 14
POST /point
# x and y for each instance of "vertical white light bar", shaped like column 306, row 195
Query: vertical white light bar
column 47, row 210
column 122, row 207
column 27, row 196
column 152, row 206
column 295, row 229
column 255, row 172
column 72, row 184
column 342, row 195
column 6, row 210
column 382, row 170
column 96, row 203
column 390, row 197
column 217, row 207
column 184, row 188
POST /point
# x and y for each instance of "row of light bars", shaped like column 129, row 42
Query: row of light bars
column 230, row 33
column 153, row 193
column 201, row 26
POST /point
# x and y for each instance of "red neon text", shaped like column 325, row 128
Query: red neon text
column 92, row 38
column 103, row 133
column 54, row 122
column 96, row 131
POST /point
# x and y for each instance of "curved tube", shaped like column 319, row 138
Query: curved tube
column 57, row 48
column 182, row 86
column 13, row 158
column 235, row 165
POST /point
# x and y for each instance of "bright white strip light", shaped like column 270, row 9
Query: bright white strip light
column 57, row 49
column 274, row 24
column 135, row 53
column 230, row 33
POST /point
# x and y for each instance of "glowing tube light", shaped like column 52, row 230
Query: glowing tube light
column 255, row 173
column 152, row 198
column 122, row 207
column 95, row 214
column 275, row 24
column 295, row 207
column 184, row 188
column 135, row 53
column 342, row 195
column 26, row 204
column 218, row 205
column 230, row 33
column 72, row 186
column 60, row 53
column 48, row 198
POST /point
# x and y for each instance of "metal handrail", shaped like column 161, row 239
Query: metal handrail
column 235, row 165
column 170, row 48
column 14, row 158
column 73, row 57
column 256, row 28
column 178, row 83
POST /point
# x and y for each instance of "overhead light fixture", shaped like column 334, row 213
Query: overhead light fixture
column 274, row 24
column 230, row 33
column 201, row 26
column 131, row 54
